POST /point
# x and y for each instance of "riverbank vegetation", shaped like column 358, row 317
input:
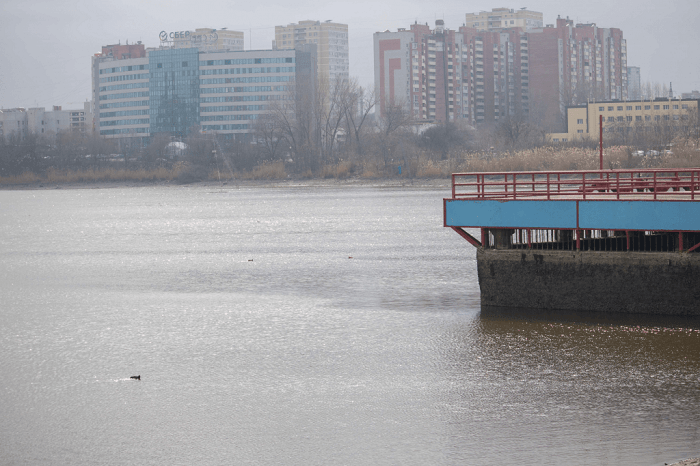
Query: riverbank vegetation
column 336, row 134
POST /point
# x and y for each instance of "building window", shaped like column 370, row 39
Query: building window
column 638, row 118
column 580, row 131
column 610, row 109
column 675, row 107
column 555, row 139
column 657, row 107
column 620, row 118
column 579, row 121
column 637, row 107
column 600, row 109
column 611, row 118
column 629, row 107
column 647, row 107
column 619, row 107
column 647, row 118
column 629, row 118
column 684, row 106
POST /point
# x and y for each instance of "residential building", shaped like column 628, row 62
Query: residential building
column 583, row 121
column 21, row 122
column 330, row 39
column 177, row 90
column 503, row 18
column 482, row 76
column 445, row 75
column 634, row 83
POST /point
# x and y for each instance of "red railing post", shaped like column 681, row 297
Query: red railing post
column 601, row 142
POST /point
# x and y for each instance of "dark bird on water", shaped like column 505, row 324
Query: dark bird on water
column 135, row 377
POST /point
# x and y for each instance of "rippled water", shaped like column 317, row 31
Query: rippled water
column 306, row 326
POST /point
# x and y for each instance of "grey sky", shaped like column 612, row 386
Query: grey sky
column 47, row 44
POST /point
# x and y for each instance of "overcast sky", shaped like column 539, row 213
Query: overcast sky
column 46, row 45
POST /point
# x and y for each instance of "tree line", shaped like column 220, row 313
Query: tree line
column 317, row 126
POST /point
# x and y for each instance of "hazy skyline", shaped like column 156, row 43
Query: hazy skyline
column 47, row 45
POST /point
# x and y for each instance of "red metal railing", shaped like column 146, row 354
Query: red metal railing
column 638, row 184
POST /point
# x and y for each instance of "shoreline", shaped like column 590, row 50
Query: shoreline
column 415, row 183
column 687, row 462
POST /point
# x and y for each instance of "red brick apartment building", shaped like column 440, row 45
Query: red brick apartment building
column 481, row 75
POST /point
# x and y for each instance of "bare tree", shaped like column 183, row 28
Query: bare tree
column 269, row 135
column 514, row 130
column 358, row 104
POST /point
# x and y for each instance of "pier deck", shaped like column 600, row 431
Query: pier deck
column 568, row 209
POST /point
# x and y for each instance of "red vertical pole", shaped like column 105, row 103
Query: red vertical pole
column 680, row 241
column 600, row 120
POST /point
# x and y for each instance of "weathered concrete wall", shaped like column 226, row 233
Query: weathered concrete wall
column 639, row 282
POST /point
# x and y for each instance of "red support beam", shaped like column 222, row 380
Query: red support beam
column 475, row 242
column 693, row 248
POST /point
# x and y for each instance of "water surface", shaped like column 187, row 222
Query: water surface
column 306, row 326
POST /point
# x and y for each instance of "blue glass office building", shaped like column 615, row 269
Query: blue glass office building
column 174, row 91
column 177, row 91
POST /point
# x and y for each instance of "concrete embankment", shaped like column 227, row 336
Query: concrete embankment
column 634, row 282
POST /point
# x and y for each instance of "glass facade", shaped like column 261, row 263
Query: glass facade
column 174, row 91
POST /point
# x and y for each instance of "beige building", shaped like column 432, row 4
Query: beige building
column 21, row 122
column 502, row 18
column 209, row 40
column 331, row 40
column 639, row 115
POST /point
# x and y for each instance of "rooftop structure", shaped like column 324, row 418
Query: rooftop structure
column 503, row 18
column 208, row 40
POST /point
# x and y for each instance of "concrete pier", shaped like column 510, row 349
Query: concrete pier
column 637, row 282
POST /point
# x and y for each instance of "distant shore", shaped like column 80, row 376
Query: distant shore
column 416, row 183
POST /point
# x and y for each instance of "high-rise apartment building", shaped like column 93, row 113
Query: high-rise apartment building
column 173, row 90
column 504, row 18
column 634, row 83
column 482, row 76
column 446, row 75
column 330, row 39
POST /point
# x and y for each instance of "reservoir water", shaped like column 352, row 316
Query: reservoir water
column 307, row 326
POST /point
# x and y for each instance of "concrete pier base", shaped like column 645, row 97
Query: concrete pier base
column 634, row 282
